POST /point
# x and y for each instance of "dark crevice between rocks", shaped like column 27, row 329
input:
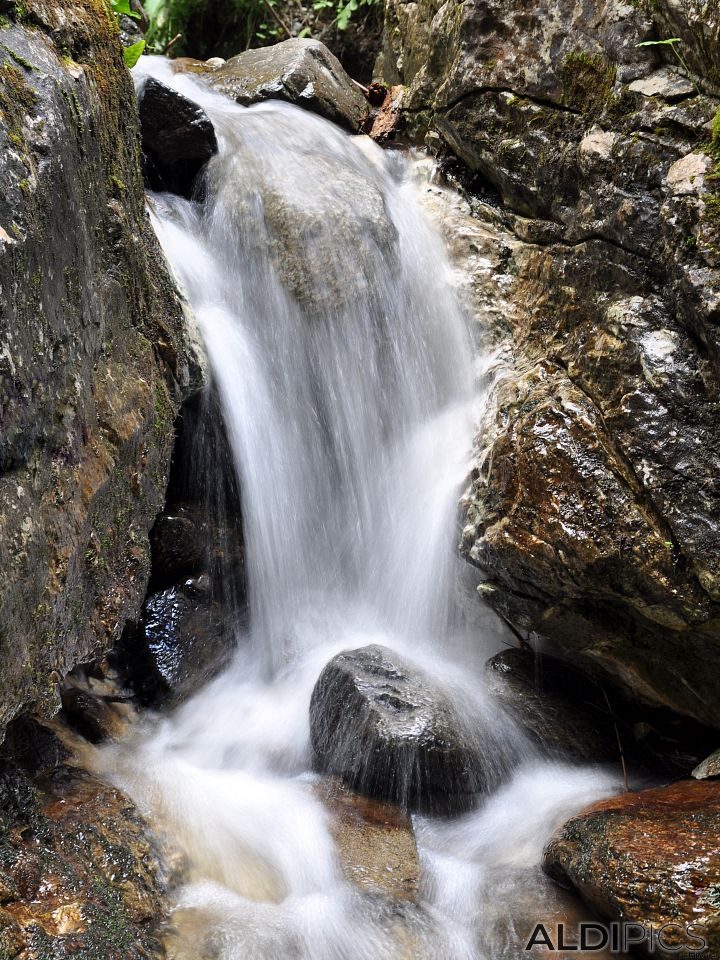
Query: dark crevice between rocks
column 471, row 184
column 574, row 715
column 538, row 101
column 195, row 608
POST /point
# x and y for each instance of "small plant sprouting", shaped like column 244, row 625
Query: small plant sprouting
column 673, row 43
column 131, row 54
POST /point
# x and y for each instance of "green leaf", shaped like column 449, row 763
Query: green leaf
column 305, row 32
column 659, row 43
column 123, row 8
column 132, row 54
column 344, row 14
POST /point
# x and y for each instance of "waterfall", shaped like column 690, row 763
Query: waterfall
column 342, row 364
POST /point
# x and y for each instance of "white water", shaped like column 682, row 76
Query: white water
column 343, row 368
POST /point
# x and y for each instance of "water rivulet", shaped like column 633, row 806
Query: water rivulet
column 345, row 377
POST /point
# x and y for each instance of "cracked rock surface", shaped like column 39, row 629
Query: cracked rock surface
column 594, row 509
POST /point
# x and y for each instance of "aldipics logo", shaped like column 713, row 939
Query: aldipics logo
column 684, row 938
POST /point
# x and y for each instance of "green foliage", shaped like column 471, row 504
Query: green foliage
column 674, row 44
column 122, row 8
column 131, row 54
column 225, row 27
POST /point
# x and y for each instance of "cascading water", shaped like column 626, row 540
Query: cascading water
column 340, row 358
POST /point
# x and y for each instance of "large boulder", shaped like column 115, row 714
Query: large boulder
column 178, row 137
column 648, row 858
column 594, row 508
column 91, row 360
column 299, row 71
column 391, row 731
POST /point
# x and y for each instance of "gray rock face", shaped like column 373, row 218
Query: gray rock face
column 594, row 511
column 391, row 731
column 299, row 71
column 178, row 137
column 90, row 360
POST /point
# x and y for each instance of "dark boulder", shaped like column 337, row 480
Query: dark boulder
column 187, row 540
column 561, row 708
column 178, row 138
column 182, row 641
column 647, row 858
column 299, row 71
column 391, row 731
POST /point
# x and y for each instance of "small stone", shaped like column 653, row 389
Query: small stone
column 687, row 175
column 710, row 767
column 598, row 144
column 181, row 642
column 89, row 714
column 374, row 840
column 69, row 919
column 666, row 83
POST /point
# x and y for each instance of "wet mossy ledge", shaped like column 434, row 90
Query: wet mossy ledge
column 92, row 359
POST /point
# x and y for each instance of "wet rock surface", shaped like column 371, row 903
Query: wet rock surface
column 390, row 731
column 562, row 710
column 299, row 71
column 78, row 874
column 649, row 858
column 710, row 767
column 188, row 541
column 374, row 840
column 594, row 509
column 181, row 641
column 178, row 138
column 91, row 361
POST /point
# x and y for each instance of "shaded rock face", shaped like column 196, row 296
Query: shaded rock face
column 78, row 875
column 390, row 731
column 594, row 511
column 649, row 858
column 178, row 138
column 186, row 632
column 561, row 710
column 299, row 71
column 91, row 364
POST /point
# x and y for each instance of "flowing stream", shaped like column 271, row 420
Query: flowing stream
column 342, row 363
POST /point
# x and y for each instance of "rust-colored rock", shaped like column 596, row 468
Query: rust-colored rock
column 389, row 115
column 374, row 840
column 651, row 857
column 78, row 872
